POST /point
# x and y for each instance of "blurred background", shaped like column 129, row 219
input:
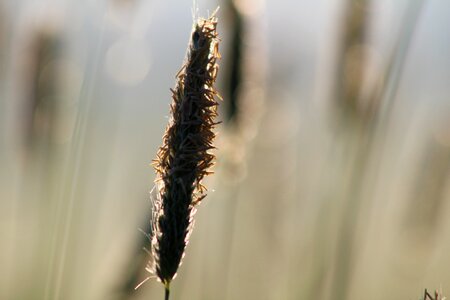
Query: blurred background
column 332, row 175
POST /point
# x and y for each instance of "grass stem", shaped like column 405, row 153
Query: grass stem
column 167, row 292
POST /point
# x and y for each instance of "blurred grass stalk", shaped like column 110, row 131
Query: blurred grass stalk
column 365, row 112
column 45, row 86
column 244, row 85
column 34, row 156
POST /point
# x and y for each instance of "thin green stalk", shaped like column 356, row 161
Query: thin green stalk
column 167, row 291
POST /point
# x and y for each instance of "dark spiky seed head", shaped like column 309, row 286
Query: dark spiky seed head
column 184, row 158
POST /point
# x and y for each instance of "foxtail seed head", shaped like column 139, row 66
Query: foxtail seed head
column 184, row 158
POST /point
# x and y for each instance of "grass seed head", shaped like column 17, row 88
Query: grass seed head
column 184, row 159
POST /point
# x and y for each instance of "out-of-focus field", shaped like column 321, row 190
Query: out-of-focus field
column 332, row 175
